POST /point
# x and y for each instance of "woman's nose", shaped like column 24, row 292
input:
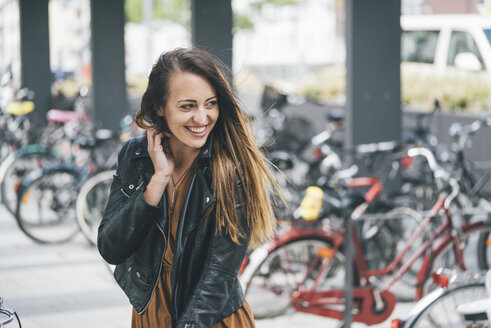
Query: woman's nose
column 200, row 115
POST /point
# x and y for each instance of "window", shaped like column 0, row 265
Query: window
column 418, row 46
column 487, row 32
column 462, row 42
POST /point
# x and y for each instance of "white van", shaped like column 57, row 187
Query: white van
column 446, row 43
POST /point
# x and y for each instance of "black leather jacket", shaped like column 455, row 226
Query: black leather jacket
column 133, row 235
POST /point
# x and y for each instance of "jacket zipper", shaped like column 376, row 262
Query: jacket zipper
column 174, row 293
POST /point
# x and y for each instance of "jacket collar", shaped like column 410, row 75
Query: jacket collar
column 141, row 148
column 205, row 152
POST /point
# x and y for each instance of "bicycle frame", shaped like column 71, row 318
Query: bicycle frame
column 375, row 305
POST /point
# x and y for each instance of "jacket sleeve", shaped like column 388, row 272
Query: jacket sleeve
column 127, row 216
column 217, row 279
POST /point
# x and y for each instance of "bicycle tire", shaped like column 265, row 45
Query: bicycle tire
column 445, row 258
column 46, row 205
column 17, row 165
column 91, row 201
column 269, row 289
column 438, row 308
column 484, row 250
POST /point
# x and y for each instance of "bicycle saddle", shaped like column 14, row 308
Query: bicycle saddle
column 337, row 115
column 61, row 116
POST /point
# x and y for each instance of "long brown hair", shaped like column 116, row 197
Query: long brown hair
column 234, row 150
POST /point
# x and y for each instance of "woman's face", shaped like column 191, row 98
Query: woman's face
column 191, row 110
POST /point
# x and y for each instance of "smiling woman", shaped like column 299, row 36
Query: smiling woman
column 178, row 246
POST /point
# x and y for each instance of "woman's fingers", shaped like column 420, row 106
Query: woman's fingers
column 150, row 134
column 154, row 140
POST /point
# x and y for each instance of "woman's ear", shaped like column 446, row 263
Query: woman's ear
column 160, row 111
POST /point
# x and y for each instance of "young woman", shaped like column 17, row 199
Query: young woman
column 187, row 200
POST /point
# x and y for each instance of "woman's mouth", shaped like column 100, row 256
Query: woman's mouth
column 197, row 130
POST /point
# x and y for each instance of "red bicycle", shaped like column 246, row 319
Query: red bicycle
column 304, row 268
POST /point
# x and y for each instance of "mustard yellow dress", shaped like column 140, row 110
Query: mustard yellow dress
column 157, row 313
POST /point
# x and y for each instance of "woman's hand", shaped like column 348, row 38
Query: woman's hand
column 162, row 159
column 163, row 164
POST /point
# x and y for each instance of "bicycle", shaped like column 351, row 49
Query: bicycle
column 7, row 315
column 377, row 235
column 45, row 209
column 456, row 303
column 45, row 206
column 54, row 146
column 304, row 269
column 91, row 202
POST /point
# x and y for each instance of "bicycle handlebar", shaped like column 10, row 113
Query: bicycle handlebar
column 425, row 152
column 438, row 171
column 458, row 130
column 384, row 146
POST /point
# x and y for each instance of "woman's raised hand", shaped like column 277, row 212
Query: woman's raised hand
column 162, row 159
column 163, row 164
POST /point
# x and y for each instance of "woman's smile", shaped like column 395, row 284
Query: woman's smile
column 197, row 130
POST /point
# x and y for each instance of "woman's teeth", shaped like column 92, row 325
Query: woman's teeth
column 197, row 130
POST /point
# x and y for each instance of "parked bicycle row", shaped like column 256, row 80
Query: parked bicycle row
column 40, row 177
column 438, row 218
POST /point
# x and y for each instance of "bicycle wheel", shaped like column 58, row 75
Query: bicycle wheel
column 385, row 235
column 46, row 205
column 476, row 255
column 484, row 250
column 15, row 168
column 91, row 202
column 8, row 316
column 438, row 308
column 287, row 268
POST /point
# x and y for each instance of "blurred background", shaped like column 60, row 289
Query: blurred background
column 317, row 78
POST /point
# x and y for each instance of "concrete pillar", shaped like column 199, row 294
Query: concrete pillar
column 34, row 50
column 211, row 28
column 373, row 91
column 108, row 65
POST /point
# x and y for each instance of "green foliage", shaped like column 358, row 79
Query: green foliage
column 242, row 22
column 177, row 11
column 458, row 92
column 470, row 92
column 326, row 85
column 133, row 11
column 258, row 4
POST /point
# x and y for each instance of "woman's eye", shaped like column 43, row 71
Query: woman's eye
column 187, row 106
column 212, row 103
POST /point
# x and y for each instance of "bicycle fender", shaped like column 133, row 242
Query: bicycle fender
column 256, row 258
column 29, row 149
column 36, row 174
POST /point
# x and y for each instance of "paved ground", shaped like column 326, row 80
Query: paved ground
column 69, row 286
